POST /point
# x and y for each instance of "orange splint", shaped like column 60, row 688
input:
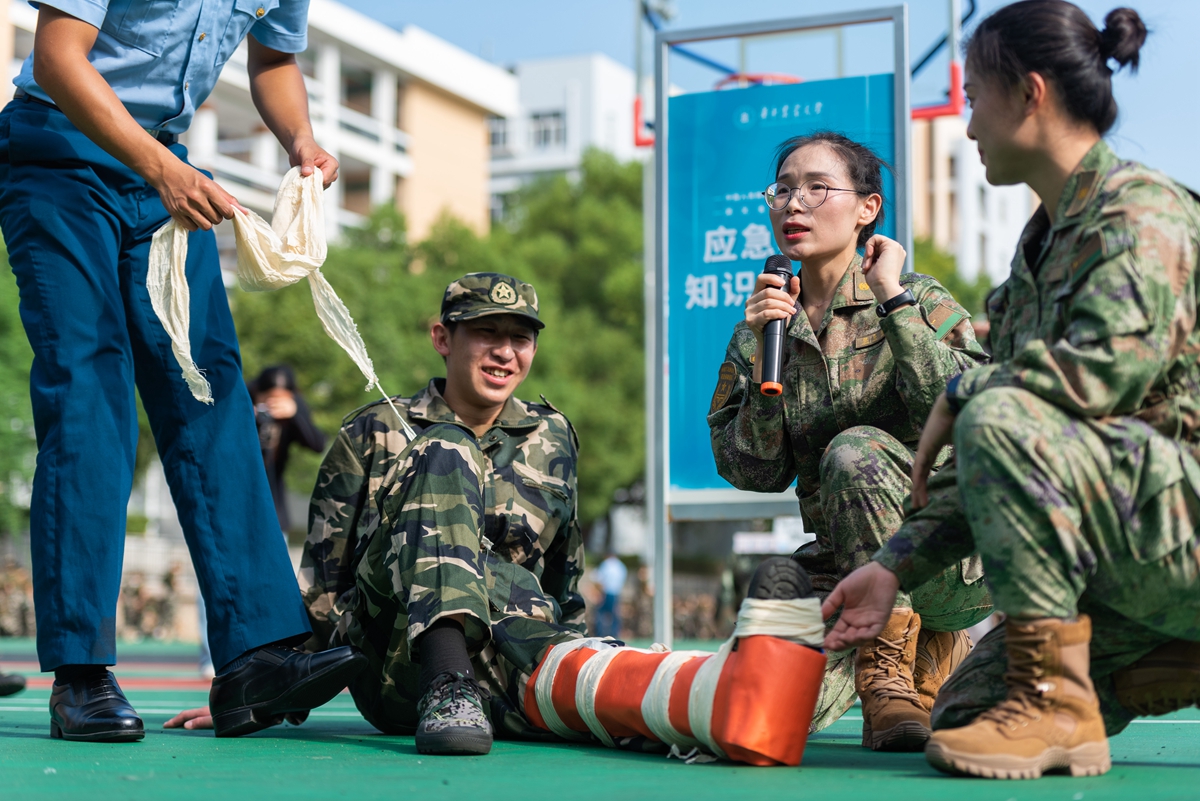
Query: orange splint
column 761, row 711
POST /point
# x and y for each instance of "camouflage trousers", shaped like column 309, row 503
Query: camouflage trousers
column 427, row 560
column 1073, row 517
column 865, row 477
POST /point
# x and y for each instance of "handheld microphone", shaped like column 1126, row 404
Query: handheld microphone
column 774, row 331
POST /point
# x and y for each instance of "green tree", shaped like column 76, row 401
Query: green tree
column 18, row 447
column 580, row 243
column 928, row 259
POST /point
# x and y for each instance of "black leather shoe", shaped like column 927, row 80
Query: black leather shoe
column 93, row 709
column 276, row 682
column 11, row 684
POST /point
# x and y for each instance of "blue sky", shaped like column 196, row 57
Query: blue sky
column 1160, row 112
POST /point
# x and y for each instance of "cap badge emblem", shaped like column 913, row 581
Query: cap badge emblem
column 503, row 294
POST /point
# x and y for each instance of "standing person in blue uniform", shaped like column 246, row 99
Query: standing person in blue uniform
column 611, row 574
column 90, row 168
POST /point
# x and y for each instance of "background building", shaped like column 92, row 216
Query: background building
column 566, row 106
column 955, row 206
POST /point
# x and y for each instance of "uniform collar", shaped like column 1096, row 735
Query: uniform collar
column 429, row 405
column 852, row 291
column 1084, row 182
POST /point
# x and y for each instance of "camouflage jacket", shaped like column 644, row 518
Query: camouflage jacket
column 529, row 492
column 1099, row 314
column 1099, row 318
column 856, row 369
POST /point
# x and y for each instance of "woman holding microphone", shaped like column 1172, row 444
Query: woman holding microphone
column 866, row 353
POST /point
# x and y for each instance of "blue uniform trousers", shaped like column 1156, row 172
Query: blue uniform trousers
column 78, row 226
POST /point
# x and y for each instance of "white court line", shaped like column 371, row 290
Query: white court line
column 174, row 710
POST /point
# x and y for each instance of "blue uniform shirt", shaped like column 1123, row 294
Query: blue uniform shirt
column 163, row 57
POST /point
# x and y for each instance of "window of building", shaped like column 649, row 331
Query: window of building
column 356, row 89
column 983, row 213
column 307, row 62
column 547, row 129
column 498, row 134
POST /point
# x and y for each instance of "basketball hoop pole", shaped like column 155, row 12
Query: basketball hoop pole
column 956, row 103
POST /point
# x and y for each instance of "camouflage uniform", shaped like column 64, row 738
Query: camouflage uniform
column 1076, row 476
column 857, row 392
column 404, row 532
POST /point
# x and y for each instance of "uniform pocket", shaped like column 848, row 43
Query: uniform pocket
column 513, row 590
column 1160, row 517
column 245, row 14
column 144, row 24
column 534, row 507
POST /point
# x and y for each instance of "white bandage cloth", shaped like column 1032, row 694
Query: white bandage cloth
column 270, row 257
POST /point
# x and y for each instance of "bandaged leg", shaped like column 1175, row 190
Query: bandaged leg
column 751, row 702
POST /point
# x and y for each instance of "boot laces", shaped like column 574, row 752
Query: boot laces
column 886, row 678
column 1026, row 701
column 453, row 700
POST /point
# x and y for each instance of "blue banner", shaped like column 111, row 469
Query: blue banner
column 722, row 147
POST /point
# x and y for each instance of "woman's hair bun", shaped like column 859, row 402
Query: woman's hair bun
column 1123, row 36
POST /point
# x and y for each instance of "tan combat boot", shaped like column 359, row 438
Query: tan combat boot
column 1050, row 720
column 1162, row 681
column 938, row 654
column 893, row 717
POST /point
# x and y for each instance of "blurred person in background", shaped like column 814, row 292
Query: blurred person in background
column 867, row 350
column 611, row 574
column 283, row 420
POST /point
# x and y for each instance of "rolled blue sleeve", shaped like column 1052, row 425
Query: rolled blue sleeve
column 284, row 29
column 90, row 11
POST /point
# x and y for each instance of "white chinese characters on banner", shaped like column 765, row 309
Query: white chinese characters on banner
column 719, row 244
column 738, row 287
column 757, row 240
column 701, row 291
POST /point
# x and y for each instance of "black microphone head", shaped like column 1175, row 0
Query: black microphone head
column 778, row 264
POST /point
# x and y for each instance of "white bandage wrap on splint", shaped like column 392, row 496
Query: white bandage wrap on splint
column 796, row 620
column 270, row 257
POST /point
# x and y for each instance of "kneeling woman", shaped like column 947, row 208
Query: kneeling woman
column 866, row 353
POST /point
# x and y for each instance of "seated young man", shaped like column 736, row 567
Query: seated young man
column 452, row 559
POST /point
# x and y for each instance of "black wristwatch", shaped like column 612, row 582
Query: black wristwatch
column 905, row 298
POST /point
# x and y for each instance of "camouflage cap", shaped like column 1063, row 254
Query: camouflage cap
column 480, row 294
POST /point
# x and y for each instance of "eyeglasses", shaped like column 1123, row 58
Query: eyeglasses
column 812, row 194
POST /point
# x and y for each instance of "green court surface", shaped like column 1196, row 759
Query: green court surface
column 337, row 755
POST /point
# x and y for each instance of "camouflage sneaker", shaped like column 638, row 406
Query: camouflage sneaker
column 452, row 717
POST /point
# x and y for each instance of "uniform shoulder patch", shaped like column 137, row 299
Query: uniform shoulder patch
column 943, row 318
column 1083, row 192
column 726, row 381
column 862, row 290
